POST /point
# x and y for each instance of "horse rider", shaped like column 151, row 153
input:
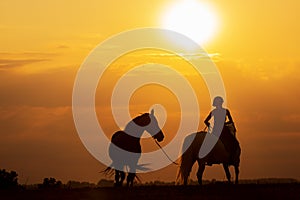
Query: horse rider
column 218, row 114
column 222, row 128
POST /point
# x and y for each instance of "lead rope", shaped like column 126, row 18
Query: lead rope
column 175, row 163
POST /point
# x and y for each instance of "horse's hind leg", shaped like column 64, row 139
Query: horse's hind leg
column 237, row 171
column 122, row 177
column 201, row 167
column 226, row 168
column 117, row 178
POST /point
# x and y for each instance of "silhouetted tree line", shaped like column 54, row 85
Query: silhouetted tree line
column 105, row 183
column 8, row 180
column 78, row 184
column 50, row 183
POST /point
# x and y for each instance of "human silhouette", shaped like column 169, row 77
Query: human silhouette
column 223, row 126
column 219, row 113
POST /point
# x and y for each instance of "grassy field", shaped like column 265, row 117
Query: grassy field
column 210, row 191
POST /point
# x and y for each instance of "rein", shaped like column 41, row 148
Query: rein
column 175, row 163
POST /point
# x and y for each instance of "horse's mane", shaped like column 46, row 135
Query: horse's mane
column 142, row 120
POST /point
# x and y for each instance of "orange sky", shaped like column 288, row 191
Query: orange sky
column 43, row 44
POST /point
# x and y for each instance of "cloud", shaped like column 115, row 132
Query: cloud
column 189, row 56
column 26, row 54
column 14, row 63
column 63, row 46
column 259, row 105
column 31, row 121
column 263, row 69
column 41, row 142
column 268, row 122
column 38, row 137
column 16, row 60
column 50, row 88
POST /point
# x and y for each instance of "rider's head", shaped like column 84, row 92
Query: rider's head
column 218, row 101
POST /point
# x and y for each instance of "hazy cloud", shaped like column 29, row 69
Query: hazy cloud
column 14, row 60
column 26, row 54
column 51, row 88
column 37, row 128
column 40, row 142
column 189, row 56
column 13, row 63
column 63, row 46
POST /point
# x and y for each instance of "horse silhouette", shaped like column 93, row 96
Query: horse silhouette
column 125, row 147
column 226, row 151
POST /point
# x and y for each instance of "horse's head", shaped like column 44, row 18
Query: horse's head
column 149, row 121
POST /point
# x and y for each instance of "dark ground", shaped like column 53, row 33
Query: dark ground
column 211, row 191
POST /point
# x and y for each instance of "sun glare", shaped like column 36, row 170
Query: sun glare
column 194, row 19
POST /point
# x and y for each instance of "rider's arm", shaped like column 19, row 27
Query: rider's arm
column 206, row 121
column 229, row 116
column 230, row 120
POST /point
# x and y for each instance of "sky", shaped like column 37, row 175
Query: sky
column 255, row 46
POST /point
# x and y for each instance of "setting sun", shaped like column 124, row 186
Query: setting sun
column 131, row 61
column 191, row 18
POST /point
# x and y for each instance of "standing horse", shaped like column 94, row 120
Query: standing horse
column 125, row 147
column 219, row 154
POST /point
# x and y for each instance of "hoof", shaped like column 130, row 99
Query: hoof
column 118, row 185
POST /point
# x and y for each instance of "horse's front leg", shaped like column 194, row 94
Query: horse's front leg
column 226, row 168
column 201, row 167
column 185, row 180
column 117, row 178
column 132, row 169
column 237, row 171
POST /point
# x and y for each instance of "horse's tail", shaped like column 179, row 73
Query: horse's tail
column 186, row 161
column 182, row 173
column 108, row 171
